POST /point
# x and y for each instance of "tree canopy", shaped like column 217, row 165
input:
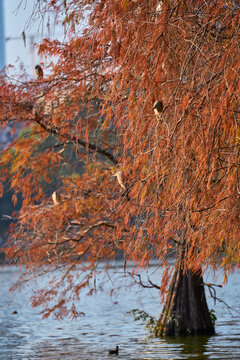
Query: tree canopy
column 176, row 173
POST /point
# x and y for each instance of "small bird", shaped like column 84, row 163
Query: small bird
column 113, row 352
column 120, row 178
column 158, row 109
column 119, row 175
column 159, row 7
column 86, row 193
column 56, row 198
column 39, row 72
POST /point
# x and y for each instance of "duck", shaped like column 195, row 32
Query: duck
column 113, row 352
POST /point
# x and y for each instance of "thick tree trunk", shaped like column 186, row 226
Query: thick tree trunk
column 185, row 311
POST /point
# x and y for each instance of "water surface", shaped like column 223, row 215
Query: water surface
column 26, row 336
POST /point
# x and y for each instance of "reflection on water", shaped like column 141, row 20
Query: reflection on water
column 26, row 336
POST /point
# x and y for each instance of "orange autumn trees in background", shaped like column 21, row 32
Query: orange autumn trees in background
column 177, row 172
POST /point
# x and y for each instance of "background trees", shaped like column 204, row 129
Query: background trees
column 181, row 169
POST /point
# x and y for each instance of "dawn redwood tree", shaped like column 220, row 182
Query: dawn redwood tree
column 177, row 174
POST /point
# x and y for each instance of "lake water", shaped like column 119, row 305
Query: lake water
column 26, row 336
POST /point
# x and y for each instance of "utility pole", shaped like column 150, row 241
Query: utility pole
column 2, row 37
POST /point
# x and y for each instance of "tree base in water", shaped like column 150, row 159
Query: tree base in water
column 185, row 311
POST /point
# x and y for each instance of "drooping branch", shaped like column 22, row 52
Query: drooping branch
column 73, row 139
column 85, row 232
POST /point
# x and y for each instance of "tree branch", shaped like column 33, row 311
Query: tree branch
column 73, row 139
column 213, row 295
column 85, row 231
column 140, row 282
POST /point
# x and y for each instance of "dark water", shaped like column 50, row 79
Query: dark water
column 26, row 336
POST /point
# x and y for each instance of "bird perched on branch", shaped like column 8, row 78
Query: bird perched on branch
column 158, row 109
column 119, row 175
column 39, row 72
column 56, row 198
column 159, row 7
column 120, row 178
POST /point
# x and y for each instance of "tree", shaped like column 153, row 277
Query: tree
column 181, row 168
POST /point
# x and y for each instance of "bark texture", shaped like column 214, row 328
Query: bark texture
column 185, row 311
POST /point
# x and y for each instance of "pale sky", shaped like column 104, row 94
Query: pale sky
column 15, row 23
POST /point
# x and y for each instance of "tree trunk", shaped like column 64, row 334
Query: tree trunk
column 185, row 311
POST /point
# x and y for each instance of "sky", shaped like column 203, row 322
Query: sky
column 14, row 25
column 16, row 20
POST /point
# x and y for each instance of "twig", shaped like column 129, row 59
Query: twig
column 84, row 232
column 140, row 282
column 212, row 292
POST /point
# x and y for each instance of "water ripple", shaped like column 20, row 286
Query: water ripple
column 26, row 336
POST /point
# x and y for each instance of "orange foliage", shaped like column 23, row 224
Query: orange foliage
column 95, row 114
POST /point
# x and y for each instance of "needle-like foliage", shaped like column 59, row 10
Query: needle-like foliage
column 94, row 116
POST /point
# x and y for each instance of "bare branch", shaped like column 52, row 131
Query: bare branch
column 213, row 295
column 140, row 282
